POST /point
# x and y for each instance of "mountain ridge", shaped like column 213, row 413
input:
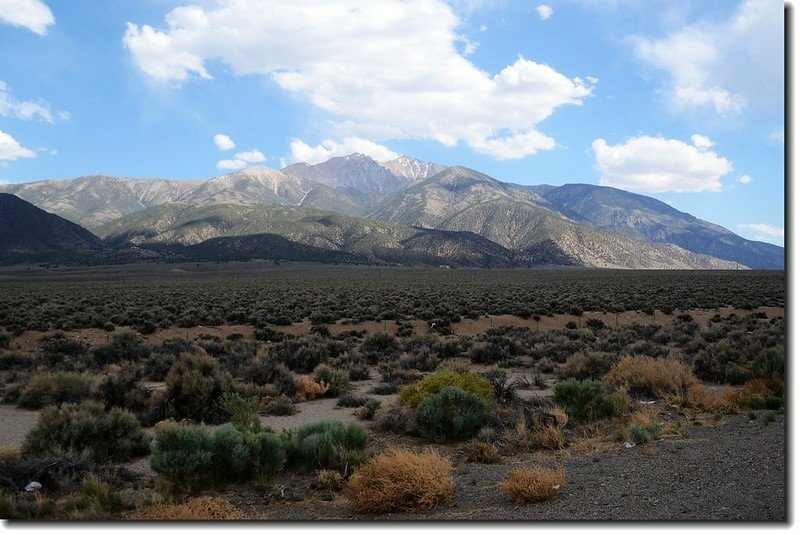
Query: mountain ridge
column 573, row 224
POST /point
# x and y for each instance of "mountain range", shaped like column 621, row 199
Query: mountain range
column 355, row 209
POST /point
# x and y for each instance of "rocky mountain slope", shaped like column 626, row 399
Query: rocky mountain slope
column 252, row 228
column 93, row 200
column 657, row 221
column 29, row 233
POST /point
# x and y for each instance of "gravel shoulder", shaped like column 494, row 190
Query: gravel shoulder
column 734, row 470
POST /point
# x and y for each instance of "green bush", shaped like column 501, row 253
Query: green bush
column 87, row 429
column 182, row 454
column 337, row 381
column 451, row 413
column 769, row 364
column 233, row 456
column 60, row 345
column 188, row 456
column 194, row 387
column 120, row 388
column 583, row 400
column 326, row 444
column 5, row 340
column 45, row 389
column 125, row 345
column 242, row 411
column 466, row 380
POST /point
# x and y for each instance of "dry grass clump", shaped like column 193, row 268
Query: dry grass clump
column 483, row 452
column 527, row 485
column 401, row 480
column 308, row 388
column 330, row 480
column 9, row 454
column 203, row 508
column 651, row 377
column 706, row 399
column 545, row 431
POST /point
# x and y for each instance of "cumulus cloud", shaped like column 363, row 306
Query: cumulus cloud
column 702, row 142
column 655, row 164
column 31, row 14
column 10, row 149
column 302, row 152
column 224, row 142
column 745, row 179
column 242, row 159
column 544, row 11
column 381, row 69
column 26, row 109
column 764, row 232
column 728, row 66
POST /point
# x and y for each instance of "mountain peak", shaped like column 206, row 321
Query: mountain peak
column 412, row 169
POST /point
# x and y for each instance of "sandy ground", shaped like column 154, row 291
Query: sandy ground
column 29, row 340
column 15, row 424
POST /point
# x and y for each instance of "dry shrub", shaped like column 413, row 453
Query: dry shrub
column 559, row 417
column 647, row 376
column 308, row 388
column 751, row 395
column 401, row 480
column 645, row 416
column 9, row 454
column 540, row 434
column 203, row 508
column 483, row 452
column 330, row 480
column 706, row 399
column 526, row 485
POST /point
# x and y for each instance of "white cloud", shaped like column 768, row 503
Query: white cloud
column 224, row 142
column 381, row 69
column 31, row 14
column 483, row 28
column 544, row 11
column 10, row 148
column 728, row 65
column 702, row 142
column 654, row 164
column 242, row 159
column 744, row 179
column 251, row 156
column 302, row 152
column 764, row 232
column 25, row 109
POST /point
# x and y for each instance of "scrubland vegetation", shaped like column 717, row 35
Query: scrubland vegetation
column 418, row 403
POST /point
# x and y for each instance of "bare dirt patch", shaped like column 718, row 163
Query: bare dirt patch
column 15, row 423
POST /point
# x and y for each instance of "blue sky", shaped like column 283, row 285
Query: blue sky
column 680, row 100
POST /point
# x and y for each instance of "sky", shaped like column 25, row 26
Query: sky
column 676, row 99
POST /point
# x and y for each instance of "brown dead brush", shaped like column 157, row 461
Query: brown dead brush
column 705, row 399
column 483, row 452
column 648, row 376
column 330, row 480
column 540, row 433
column 308, row 388
column 203, row 508
column 529, row 485
column 9, row 454
column 401, row 480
